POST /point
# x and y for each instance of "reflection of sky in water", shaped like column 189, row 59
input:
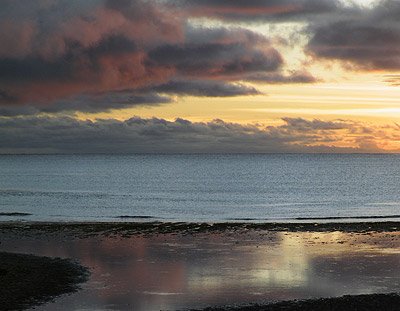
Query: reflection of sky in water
column 173, row 272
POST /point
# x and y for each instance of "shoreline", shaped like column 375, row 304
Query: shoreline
column 147, row 228
column 28, row 280
column 64, row 231
column 381, row 302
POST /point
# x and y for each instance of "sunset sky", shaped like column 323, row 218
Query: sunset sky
column 199, row 76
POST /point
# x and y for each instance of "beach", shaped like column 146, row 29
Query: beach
column 221, row 266
column 28, row 280
column 188, row 155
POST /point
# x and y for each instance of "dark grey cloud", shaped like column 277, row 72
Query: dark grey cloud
column 259, row 10
column 10, row 111
column 214, row 59
column 89, row 104
column 303, row 125
column 368, row 47
column 278, row 78
column 6, row 97
column 106, row 102
column 136, row 135
column 113, row 100
column 369, row 39
column 34, row 69
column 206, row 35
column 71, row 65
column 205, row 88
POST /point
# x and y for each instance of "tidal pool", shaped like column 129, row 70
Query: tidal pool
column 176, row 272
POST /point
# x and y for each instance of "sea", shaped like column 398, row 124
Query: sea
column 200, row 188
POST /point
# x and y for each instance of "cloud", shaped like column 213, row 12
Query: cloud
column 258, row 10
column 112, row 64
column 112, row 100
column 392, row 80
column 201, row 35
column 369, row 39
column 278, row 78
column 361, row 37
column 89, row 104
column 54, row 52
column 215, row 59
column 137, row 135
column 303, row 125
column 204, row 88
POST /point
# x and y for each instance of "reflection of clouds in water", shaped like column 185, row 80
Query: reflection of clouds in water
column 331, row 264
column 285, row 265
column 175, row 272
column 358, row 263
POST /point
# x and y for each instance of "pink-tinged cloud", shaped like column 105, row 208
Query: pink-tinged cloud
column 55, row 52
column 17, row 37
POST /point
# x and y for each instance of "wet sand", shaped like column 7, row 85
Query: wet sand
column 28, row 280
column 149, row 228
column 230, row 266
column 385, row 302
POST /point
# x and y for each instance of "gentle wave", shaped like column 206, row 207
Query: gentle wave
column 384, row 203
column 134, row 217
column 14, row 214
column 12, row 192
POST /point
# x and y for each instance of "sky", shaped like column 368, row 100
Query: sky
column 199, row 76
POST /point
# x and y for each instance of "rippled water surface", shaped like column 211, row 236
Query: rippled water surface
column 255, row 188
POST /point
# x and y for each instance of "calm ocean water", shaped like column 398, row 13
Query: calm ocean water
column 213, row 188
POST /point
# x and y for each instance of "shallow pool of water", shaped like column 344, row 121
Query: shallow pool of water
column 173, row 272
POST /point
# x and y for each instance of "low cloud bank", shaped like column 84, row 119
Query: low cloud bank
column 137, row 135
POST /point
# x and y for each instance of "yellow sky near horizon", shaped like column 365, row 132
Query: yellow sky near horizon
column 339, row 93
column 369, row 101
column 365, row 99
column 342, row 91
